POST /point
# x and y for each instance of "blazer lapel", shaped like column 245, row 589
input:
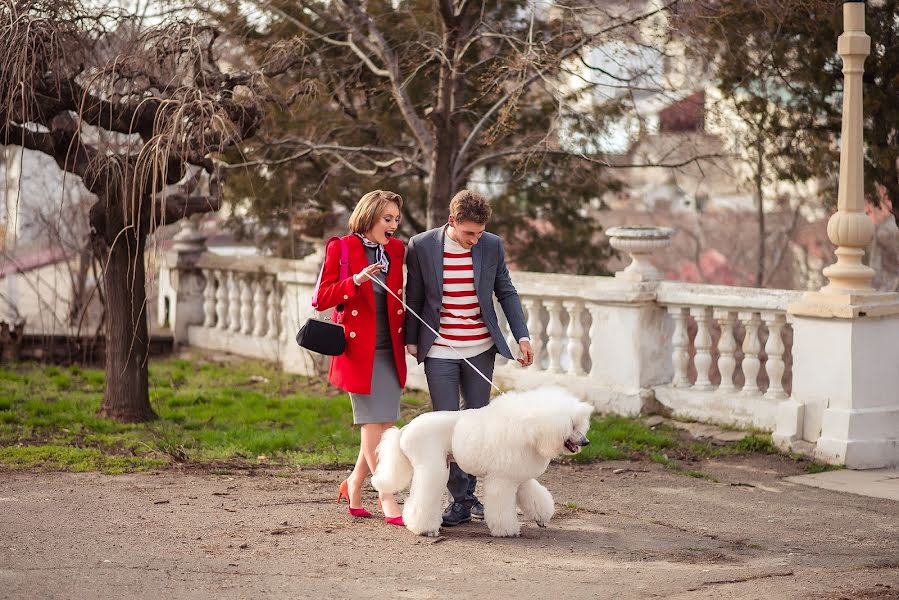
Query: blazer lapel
column 476, row 261
column 437, row 258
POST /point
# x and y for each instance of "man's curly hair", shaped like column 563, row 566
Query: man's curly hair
column 471, row 207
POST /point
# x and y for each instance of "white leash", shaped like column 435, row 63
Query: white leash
column 406, row 306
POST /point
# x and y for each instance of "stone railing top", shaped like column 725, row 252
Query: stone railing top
column 640, row 232
column 547, row 285
column 725, row 296
column 580, row 287
column 255, row 264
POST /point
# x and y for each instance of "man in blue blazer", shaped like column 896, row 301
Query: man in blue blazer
column 453, row 273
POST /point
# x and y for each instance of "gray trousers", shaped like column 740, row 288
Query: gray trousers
column 446, row 377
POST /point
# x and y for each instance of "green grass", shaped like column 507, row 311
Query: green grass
column 208, row 411
column 249, row 412
column 816, row 467
column 74, row 459
column 613, row 437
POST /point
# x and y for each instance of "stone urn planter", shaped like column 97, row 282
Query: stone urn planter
column 639, row 243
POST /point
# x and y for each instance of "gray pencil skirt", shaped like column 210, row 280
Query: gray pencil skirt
column 382, row 405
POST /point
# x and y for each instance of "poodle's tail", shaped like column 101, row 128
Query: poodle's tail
column 394, row 471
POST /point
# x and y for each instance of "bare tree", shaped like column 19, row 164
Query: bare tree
column 435, row 93
column 138, row 114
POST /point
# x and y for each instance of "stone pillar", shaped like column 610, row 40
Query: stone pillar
column 186, row 280
column 641, row 356
column 845, row 368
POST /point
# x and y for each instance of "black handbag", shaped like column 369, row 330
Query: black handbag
column 325, row 337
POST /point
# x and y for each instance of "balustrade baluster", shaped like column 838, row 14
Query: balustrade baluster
column 703, row 344
column 221, row 300
column 727, row 346
column 554, row 333
column 272, row 312
column 209, row 298
column 246, row 306
column 575, row 335
column 751, row 348
column 596, row 341
column 258, row 308
column 233, row 302
column 535, row 327
column 679, row 340
column 774, row 348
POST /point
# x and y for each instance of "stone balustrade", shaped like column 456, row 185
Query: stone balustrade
column 250, row 306
column 706, row 352
column 730, row 352
column 628, row 345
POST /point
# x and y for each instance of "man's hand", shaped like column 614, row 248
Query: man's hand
column 412, row 349
column 527, row 353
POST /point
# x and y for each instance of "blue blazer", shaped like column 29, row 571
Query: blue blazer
column 424, row 289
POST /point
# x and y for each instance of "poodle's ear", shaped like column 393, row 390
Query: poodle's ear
column 584, row 410
column 550, row 434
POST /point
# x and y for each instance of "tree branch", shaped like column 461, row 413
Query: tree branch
column 604, row 162
column 416, row 124
column 526, row 82
column 64, row 146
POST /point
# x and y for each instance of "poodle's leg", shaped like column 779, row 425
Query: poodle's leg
column 423, row 509
column 535, row 502
column 499, row 507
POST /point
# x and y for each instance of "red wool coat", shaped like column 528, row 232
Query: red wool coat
column 352, row 370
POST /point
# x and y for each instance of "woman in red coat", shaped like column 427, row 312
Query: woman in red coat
column 373, row 366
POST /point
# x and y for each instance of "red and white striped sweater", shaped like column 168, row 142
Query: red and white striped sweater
column 461, row 324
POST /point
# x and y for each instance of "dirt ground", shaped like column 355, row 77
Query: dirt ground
column 643, row 532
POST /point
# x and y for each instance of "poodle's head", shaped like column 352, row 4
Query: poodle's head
column 563, row 428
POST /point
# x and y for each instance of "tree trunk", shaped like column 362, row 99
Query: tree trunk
column 441, row 183
column 445, row 121
column 127, row 397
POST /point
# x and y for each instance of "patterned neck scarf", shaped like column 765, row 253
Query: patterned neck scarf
column 381, row 257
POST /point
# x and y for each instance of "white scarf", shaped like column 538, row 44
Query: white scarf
column 381, row 256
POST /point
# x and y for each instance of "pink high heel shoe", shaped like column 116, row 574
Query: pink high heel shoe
column 398, row 520
column 343, row 492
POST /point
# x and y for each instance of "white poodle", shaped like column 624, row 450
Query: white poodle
column 507, row 444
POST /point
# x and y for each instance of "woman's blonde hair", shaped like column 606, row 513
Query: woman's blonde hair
column 370, row 207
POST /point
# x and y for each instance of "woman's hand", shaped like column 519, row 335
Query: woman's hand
column 366, row 273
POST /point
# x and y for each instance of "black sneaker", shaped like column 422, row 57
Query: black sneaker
column 477, row 510
column 456, row 514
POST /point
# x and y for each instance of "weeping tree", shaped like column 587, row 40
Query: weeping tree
column 139, row 114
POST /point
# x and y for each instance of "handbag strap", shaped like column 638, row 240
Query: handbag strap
column 343, row 269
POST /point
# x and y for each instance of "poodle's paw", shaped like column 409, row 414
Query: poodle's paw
column 541, row 524
column 423, row 530
column 504, row 525
column 544, row 511
column 422, row 526
column 511, row 532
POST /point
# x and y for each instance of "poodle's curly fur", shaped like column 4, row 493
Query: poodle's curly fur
column 507, row 444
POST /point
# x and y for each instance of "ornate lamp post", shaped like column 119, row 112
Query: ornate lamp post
column 849, row 293
column 845, row 369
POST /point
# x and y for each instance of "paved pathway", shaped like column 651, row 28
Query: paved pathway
column 623, row 530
